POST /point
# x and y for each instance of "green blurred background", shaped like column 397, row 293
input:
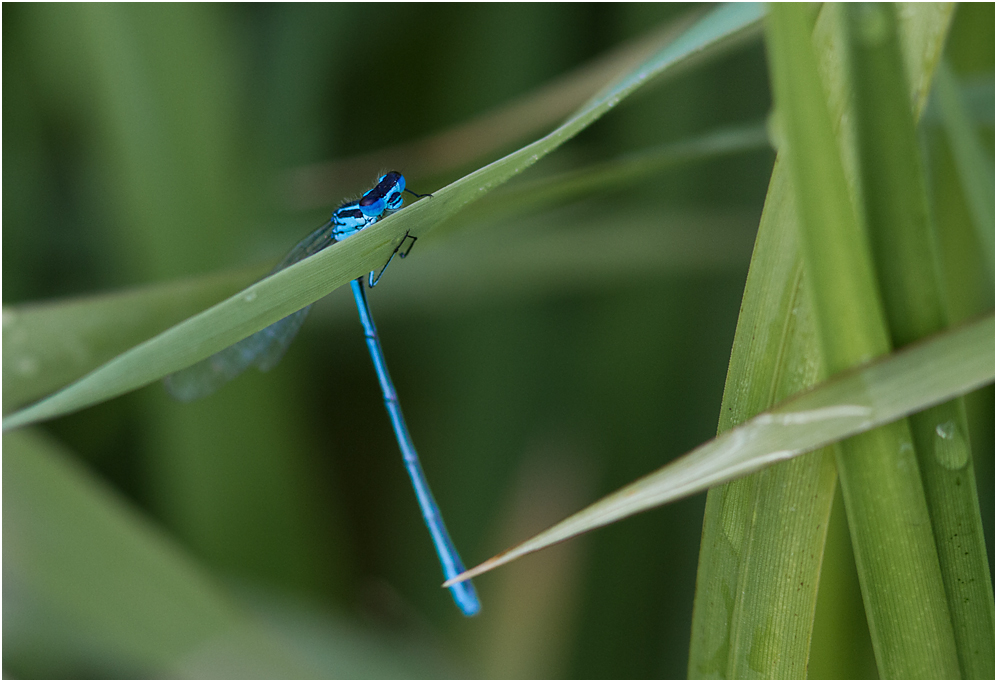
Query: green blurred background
column 150, row 143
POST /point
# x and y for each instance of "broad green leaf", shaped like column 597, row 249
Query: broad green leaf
column 925, row 374
column 289, row 290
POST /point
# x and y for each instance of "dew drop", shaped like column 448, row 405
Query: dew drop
column 951, row 448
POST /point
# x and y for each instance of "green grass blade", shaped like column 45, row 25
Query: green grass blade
column 884, row 498
column 897, row 214
column 925, row 374
column 47, row 345
column 275, row 297
column 50, row 344
column 749, row 620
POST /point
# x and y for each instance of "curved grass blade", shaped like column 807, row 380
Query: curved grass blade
column 748, row 619
column 290, row 290
column 915, row 378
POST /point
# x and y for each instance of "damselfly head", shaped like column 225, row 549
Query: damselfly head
column 386, row 195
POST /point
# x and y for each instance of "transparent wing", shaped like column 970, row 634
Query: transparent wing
column 275, row 339
column 264, row 349
column 309, row 246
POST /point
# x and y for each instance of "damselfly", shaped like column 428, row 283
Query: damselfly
column 266, row 347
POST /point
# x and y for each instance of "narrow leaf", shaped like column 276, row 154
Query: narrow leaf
column 762, row 558
column 925, row 374
column 881, row 485
column 47, row 345
column 291, row 289
column 907, row 265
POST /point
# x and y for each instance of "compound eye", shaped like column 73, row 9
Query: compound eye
column 373, row 206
